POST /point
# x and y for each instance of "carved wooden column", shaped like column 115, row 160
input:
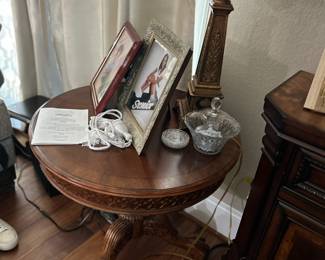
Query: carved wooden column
column 206, row 81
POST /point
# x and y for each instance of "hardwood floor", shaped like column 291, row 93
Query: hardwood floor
column 41, row 239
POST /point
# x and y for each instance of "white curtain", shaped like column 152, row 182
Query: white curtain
column 202, row 15
column 61, row 43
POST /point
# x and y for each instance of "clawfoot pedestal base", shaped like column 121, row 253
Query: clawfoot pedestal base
column 119, row 233
column 127, row 227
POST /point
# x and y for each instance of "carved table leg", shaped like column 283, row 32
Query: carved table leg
column 119, row 233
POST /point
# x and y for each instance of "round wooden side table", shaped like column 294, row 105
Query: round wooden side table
column 135, row 187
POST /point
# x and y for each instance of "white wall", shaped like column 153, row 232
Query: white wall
column 267, row 42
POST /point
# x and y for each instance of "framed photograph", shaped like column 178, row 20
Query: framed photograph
column 114, row 66
column 164, row 59
column 316, row 96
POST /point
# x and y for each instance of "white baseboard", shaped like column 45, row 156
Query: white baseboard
column 220, row 222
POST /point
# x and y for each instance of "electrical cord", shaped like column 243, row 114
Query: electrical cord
column 247, row 180
column 86, row 214
column 104, row 132
column 222, row 197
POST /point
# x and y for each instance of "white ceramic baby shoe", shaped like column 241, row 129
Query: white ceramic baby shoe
column 8, row 236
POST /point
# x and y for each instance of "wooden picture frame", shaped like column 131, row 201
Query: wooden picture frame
column 152, row 81
column 316, row 96
column 114, row 66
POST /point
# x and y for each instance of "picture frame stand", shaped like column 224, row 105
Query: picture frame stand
column 146, row 95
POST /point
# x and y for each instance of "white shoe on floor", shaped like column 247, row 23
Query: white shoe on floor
column 8, row 236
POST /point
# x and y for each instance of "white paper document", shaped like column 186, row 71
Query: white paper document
column 57, row 126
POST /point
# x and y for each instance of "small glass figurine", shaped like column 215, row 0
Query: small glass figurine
column 211, row 128
column 175, row 138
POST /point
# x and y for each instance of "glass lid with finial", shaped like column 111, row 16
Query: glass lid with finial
column 211, row 128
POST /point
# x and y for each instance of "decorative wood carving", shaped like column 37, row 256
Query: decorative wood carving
column 119, row 233
column 206, row 81
column 305, row 173
column 123, row 204
column 131, row 226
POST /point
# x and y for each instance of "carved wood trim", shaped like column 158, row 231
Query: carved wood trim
column 311, row 189
column 221, row 4
column 303, row 174
column 128, row 205
column 210, row 62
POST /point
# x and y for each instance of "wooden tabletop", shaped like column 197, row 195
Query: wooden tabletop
column 160, row 172
column 284, row 106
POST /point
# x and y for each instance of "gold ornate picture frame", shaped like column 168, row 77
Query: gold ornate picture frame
column 152, row 81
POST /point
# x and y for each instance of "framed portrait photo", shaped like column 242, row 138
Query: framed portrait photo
column 155, row 78
column 114, row 66
column 316, row 96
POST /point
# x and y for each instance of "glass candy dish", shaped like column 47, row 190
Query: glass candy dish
column 211, row 128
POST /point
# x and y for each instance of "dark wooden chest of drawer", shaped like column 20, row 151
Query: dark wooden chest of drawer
column 285, row 214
